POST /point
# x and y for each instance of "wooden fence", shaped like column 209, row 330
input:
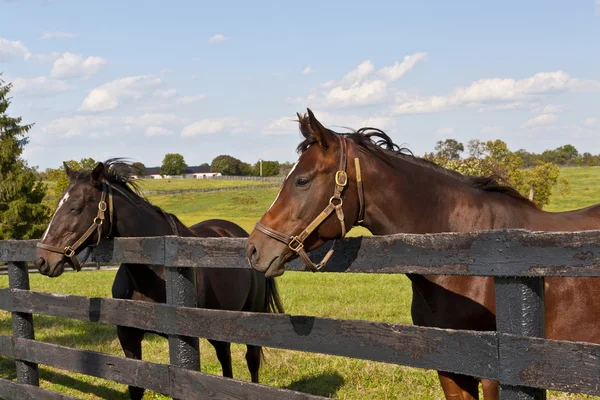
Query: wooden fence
column 515, row 355
column 210, row 189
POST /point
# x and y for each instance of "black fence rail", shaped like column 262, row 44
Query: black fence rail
column 516, row 355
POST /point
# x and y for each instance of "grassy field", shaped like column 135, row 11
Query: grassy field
column 585, row 189
column 383, row 298
column 180, row 184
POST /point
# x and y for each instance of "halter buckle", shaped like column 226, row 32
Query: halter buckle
column 298, row 247
column 98, row 221
column 341, row 178
column 68, row 251
column 102, row 206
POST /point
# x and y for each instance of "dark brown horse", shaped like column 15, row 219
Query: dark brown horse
column 404, row 194
column 107, row 194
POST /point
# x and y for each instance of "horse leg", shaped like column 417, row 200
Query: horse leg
column 459, row 387
column 131, row 343
column 490, row 389
column 224, row 355
column 253, row 355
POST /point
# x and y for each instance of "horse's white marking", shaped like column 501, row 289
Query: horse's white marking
column 60, row 204
column 284, row 181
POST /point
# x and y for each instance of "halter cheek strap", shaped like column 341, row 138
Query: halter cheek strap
column 296, row 243
column 70, row 250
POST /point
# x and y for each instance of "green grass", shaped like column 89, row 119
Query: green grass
column 180, row 184
column 585, row 189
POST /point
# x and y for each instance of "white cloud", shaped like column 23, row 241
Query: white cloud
column 515, row 105
column 542, row 119
column 151, row 124
column 110, row 95
column 218, row 38
column 493, row 130
column 591, row 121
column 216, row 125
column 13, row 50
column 158, row 131
column 551, row 108
column 281, row 126
column 58, row 35
column 398, row 70
column 445, row 131
column 307, row 71
column 362, row 86
column 40, row 86
column 496, row 90
column 165, row 94
column 191, row 99
column 70, row 66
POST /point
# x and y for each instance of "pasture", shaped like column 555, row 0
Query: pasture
column 383, row 298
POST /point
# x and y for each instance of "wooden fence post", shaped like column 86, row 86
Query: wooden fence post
column 519, row 311
column 184, row 351
column 18, row 278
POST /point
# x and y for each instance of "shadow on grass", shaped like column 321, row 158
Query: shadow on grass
column 326, row 384
column 58, row 378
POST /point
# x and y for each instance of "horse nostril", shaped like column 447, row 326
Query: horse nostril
column 39, row 263
column 251, row 253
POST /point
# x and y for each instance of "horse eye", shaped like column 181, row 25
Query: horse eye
column 302, row 181
column 75, row 210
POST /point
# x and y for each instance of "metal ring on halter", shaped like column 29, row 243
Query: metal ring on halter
column 69, row 252
column 98, row 221
column 102, row 206
column 336, row 198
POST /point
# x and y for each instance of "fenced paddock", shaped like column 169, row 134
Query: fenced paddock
column 515, row 355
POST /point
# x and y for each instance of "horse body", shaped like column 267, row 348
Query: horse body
column 132, row 216
column 406, row 194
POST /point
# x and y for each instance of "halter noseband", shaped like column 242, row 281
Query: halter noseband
column 296, row 243
column 69, row 251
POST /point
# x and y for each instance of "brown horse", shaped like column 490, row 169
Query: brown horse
column 107, row 194
column 391, row 191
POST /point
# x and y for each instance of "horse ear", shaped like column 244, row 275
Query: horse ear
column 98, row 174
column 310, row 127
column 70, row 173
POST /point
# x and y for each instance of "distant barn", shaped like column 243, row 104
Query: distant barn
column 199, row 172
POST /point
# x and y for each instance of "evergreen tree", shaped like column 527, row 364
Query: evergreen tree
column 23, row 215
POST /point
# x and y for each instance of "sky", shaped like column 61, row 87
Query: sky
column 142, row 79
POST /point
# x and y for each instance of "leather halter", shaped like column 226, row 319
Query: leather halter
column 296, row 243
column 69, row 251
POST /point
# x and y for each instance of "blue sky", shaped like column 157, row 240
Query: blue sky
column 140, row 79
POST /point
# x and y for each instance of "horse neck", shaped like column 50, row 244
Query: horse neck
column 137, row 218
column 412, row 198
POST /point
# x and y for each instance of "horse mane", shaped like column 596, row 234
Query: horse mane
column 118, row 173
column 377, row 143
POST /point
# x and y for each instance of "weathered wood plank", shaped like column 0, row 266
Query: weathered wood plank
column 550, row 364
column 10, row 390
column 465, row 352
column 162, row 378
column 493, row 253
column 18, row 278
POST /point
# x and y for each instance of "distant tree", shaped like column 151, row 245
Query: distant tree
column 23, row 214
column 245, row 169
column 60, row 178
column 285, row 168
column 205, row 165
column 476, row 148
column 226, row 165
column 173, row 164
column 269, row 168
column 563, row 155
column 449, row 148
column 139, row 169
column 529, row 159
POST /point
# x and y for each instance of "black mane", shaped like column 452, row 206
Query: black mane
column 379, row 144
column 118, row 173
